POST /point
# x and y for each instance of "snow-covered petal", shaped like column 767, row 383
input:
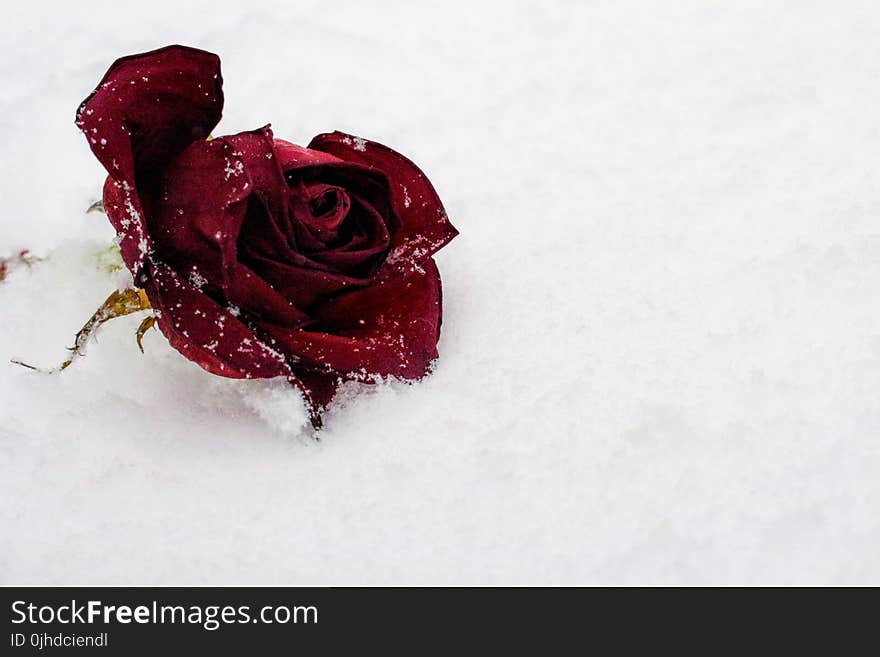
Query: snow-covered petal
column 209, row 334
column 147, row 109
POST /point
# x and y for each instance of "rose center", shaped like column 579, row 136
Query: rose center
column 325, row 203
column 322, row 208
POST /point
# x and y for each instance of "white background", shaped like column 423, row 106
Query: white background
column 660, row 359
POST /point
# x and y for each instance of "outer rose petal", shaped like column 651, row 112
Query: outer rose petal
column 388, row 329
column 425, row 227
column 292, row 156
column 148, row 108
column 257, row 152
column 198, row 215
column 208, row 334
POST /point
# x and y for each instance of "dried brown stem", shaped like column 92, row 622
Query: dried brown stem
column 118, row 304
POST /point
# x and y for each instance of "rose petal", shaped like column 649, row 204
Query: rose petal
column 197, row 218
column 292, row 156
column 208, row 334
column 387, row 329
column 123, row 207
column 256, row 149
column 146, row 109
column 303, row 286
column 425, row 227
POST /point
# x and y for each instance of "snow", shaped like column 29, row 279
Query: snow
column 660, row 359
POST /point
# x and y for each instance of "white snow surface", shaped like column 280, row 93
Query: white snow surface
column 660, row 360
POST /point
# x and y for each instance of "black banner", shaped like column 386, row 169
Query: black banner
column 134, row 621
column 153, row 620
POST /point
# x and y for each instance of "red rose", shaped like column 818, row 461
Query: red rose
column 262, row 258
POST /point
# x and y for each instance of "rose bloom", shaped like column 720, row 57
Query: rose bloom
column 262, row 258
